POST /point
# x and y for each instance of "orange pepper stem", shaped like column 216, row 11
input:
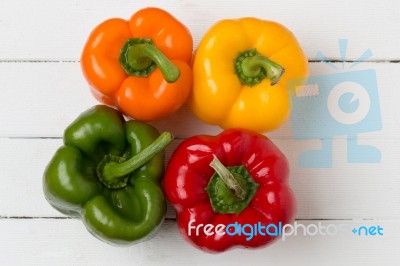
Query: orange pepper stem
column 252, row 67
column 139, row 57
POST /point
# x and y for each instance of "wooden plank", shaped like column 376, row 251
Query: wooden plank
column 33, row 154
column 44, row 241
column 51, row 95
column 60, row 32
column 41, row 97
column 345, row 191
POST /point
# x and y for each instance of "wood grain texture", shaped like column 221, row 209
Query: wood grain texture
column 26, row 240
column 346, row 191
column 57, row 30
column 42, row 90
column 49, row 96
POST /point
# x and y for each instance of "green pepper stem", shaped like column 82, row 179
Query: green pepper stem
column 252, row 67
column 113, row 172
column 138, row 57
column 227, row 177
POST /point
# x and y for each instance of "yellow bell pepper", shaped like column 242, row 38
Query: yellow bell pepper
column 241, row 69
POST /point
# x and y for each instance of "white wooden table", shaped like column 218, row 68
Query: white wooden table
column 42, row 90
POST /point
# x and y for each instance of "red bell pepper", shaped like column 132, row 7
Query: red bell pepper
column 218, row 183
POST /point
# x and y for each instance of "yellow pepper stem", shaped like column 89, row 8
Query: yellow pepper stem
column 252, row 67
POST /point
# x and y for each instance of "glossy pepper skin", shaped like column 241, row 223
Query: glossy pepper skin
column 200, row 196
column 240, row 74
column 140, row 65
column 108, row 173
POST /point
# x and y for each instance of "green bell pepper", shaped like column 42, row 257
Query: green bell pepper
column 108, row 173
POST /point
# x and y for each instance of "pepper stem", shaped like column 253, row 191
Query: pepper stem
column 139, row 57
column 113, row 170
column 228, row 178
column 252, row 67
column 231, row 188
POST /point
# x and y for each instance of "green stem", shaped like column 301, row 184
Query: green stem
column 140, row 56
column 252, row 67
column 227, row 177
column 113, row 171
column 231, row 188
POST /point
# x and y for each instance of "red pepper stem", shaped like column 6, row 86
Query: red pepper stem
column 228, row 178
column 113, row 170
column 141, row 56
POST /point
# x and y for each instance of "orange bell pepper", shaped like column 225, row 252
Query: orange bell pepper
column 141, row 66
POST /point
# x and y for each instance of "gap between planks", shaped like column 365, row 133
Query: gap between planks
column 329, row 60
